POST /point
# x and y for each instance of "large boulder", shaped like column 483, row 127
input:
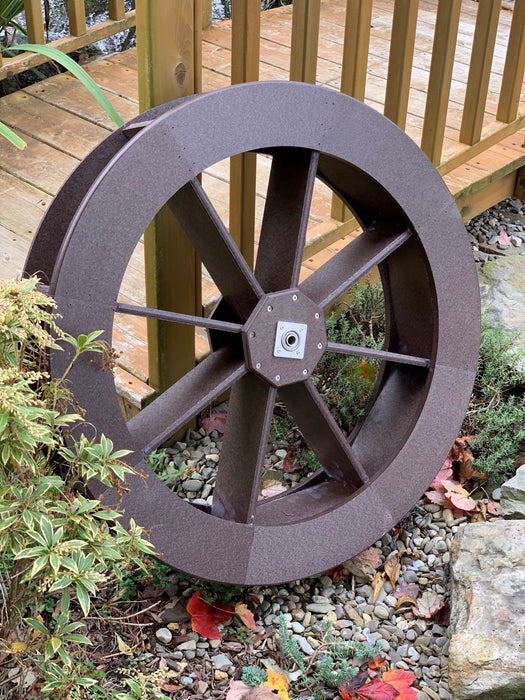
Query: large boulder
column 513, row 496
column 502, row 287
column 487, row 649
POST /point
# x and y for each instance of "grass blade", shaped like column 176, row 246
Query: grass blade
column 69, row 64
column 11, row 136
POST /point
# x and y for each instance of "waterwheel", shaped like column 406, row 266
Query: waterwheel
column 269, row 329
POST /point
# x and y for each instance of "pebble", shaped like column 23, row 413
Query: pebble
column 381, row 612
column 221, row 662
column 192, row 485
column 164, row 635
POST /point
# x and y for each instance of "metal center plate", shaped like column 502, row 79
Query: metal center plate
column 276, row 317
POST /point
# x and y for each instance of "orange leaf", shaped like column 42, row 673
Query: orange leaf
column 205, row 617
column 245, row 616
column 277, row 681
column 401, row 681
column 377, row 662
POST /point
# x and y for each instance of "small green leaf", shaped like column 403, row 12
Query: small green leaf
column 83, row 598
column 36, row 625
column 13, row 138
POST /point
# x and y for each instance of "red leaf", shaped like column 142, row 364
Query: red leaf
column 245, row 616
column 377, row 690
column 444, row 473
column 401, row 681
column 289, row 465
column 437, row 497
column 377, row 662
column 216, row 421
column 348, row 690
column 205, row 617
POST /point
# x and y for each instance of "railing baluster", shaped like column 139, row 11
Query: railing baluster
column 305, row 40
column 246, row 38
column 440, row 78
column 479, row 71
column 353, row 70
column 509, row 98
column 35, row 21
column 400, row 60
column 76, row 11
column 116, row 9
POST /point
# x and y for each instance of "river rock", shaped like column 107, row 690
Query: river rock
column 487, row 658
column 513, row 495
column 502, row 287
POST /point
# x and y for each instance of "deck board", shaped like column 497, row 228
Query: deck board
column 62, row 122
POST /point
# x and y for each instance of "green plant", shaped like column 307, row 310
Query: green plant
column 142, row 686
column 329, row 665
column 72, row 66
column 55, row 541
column 9, row 9
column 496, row 413
column 253, row 675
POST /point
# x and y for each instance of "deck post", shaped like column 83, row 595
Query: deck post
column 305, row 40
column 169, row 63
column 246, row 37
column 35, row 21
column 512, row 81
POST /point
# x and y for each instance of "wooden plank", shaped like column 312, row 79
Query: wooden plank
column 68, row 93
column 117, row 9
column 440, row 77
column 354, row 67
column 49, row 124
column 42, row 166
column 76, row 11
column 305, row 37
column 519, row 190
column 34, row 21
column 13, row 252
column 514, row 66
column 479, row 73
column 168, row 40
column 22, row 206
column 116, row 77
column 24, row 61
column 472, row 204
column 245, row 27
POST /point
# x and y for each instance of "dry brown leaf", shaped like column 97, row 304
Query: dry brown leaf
column 271, row 487
column 239, row 690
column 393, row 569
column 377, row 584
column 364, row 565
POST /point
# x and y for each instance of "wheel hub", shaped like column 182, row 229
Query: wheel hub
column 284, row 337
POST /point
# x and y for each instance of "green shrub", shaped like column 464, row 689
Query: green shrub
column 56, row 542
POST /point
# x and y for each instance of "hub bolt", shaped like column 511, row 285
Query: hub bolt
column 258, row 365
column 277, row 377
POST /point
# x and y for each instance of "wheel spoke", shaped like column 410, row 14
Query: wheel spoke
column 185, row 319
column 244, row 445
column 378, row 354
column 322, row 434
column 216, row 248
column 170, row 412
column 331, row 280
column 285, row 218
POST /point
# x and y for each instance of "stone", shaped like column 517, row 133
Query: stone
column 486, row 656
column 164, row 635
column 221, row 662
column 502, row 287
column 192, row 485
column 513, row 495
column 190, row 645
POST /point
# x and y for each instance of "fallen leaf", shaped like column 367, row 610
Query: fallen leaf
column 444, row 473
column 271, row 487
column 363, row 566
column 220, row 675
column 494, row 508
column 245, row 616
column 393, row 569
column 367, row 371
column 377, row 584
column 401, row 681
column 407, row 590
column 239, row 690
column 375, row 690
column 428, row 604
column 170, row 687
column 17, row 647
column 277, row 682
column 437, row 497
column 215, row 421
column 443, row 616
column 205, row 617
column 458, row 496
column 289, row 465
column 504, row 238
column 337, row 573
column 122, row 646
column 377, row 662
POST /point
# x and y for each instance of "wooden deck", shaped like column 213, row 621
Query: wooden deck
column 61, row 124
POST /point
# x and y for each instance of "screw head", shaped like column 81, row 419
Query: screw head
column 319, row 346
column 294, row 297
column 316, row 315
column 269, row 308
column 305, row 371
column 252, row 334
column 277, row 377
column 258, row 365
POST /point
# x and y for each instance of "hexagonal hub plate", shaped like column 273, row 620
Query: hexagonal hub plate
column 263, row 327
